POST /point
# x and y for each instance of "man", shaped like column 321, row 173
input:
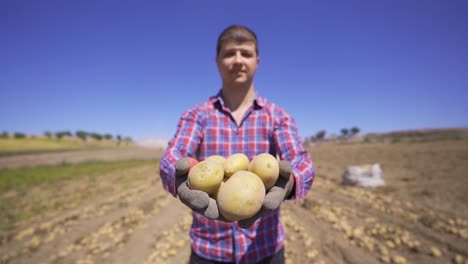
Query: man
column 237, row 120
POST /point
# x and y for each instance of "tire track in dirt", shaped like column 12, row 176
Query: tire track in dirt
column 60, row 234
column 165, row 225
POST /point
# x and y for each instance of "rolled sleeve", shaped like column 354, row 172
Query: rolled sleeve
column 183, row 144
column 291, row 149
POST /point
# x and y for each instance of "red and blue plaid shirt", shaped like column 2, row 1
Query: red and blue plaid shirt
column 209, row 129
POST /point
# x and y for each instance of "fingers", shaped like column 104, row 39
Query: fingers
column 182, row 166
column 247, row 223
column 285, row 169
column 274, row 198
column 212, row 211
column 194, row 199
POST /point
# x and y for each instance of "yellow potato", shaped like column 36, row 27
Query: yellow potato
column 206, row 176
column 241, row 196
column 266, row 167
column 215, row 194
column 217, row 158
column 235, row 163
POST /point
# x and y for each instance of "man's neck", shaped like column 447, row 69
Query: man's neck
column 238, row 97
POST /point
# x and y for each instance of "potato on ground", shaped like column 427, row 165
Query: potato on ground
column 206, row 176
column 241, row 196
column 235, row 163
column 266, row 167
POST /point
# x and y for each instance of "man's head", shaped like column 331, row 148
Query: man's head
column 237, row 56
column 238, row 34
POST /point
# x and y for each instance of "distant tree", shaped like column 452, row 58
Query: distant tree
column 59, row 134
column 320, row 135
column 344, row 131
column 108, row 136
column 127, row 140
column 4, row 134
column 119, row 139
column 48, row 134
column 96, row 136
column 81, row 134
column 19, row 135
column 354, row 130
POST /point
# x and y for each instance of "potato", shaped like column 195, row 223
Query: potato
column 217, row 158
column 235, row 163
column 215, row 194
column 206, row 176
column 241, row 196
column 266, row 167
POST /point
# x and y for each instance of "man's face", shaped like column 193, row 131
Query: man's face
column 237, row 62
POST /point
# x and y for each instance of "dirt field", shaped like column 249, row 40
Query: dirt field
column 420, row 216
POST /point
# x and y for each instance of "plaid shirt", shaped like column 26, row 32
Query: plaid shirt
column 209, row 129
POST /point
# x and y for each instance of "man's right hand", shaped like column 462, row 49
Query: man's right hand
column 198, row 201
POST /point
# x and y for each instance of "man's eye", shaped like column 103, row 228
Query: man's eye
column 247, row 54
column 228, row 54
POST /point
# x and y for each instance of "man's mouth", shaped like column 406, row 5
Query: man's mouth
column 238, row 73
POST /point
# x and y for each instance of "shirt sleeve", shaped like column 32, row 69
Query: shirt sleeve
column 183, row 144
column 290, row 148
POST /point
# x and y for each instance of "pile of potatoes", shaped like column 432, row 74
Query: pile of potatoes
column 237, row 184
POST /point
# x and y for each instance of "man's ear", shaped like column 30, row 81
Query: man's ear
column 258, row 60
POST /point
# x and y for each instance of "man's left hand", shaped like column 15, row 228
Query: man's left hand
column 275, row 195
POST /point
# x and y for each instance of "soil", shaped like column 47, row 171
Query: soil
column 420, row 216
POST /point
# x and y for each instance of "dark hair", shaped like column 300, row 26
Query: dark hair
column 238, row 34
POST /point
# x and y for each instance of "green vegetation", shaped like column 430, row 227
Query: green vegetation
column 344, row 132
column 37, row 191
column 10, row 145
column 48, row 134
column 19, row 135
column 64, row 134
column 4, row 134
column 31, row 144
column 355, row 130
column 22, row 179
column 81, row 135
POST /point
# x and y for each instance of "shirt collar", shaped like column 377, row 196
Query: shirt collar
column 258, row 100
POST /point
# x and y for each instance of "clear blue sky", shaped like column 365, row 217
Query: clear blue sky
column 132, row 67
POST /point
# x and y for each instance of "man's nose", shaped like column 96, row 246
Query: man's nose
column 238, row 58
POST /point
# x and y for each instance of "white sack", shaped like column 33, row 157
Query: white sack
column 363, row 176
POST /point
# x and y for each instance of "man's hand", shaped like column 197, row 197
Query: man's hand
column 198, row 201
column 275, row 195
column 201, row 202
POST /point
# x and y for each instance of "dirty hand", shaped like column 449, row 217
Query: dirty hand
column 198, row 201
column 275, row 195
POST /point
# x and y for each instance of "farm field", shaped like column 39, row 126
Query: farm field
column 114, row 213
column 13, row 146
